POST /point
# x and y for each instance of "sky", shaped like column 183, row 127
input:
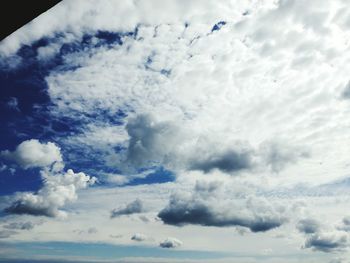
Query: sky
column 177, row 131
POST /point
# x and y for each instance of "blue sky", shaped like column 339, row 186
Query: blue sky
column 176, row 131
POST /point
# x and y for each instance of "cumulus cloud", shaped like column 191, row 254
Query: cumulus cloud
column 154, row 142
column 33, row 153
column 203, row 208
column 139, row 237
column 327, row 242
column 131, row 208
column 58, row 189
column 308, row 226
column 170, row 242
column 229, row 161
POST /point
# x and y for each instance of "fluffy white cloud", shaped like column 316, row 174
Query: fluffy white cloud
column 33, row 153
column 58, row 189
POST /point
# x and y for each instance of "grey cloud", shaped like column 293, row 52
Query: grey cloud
column 345, row 226
column 92, row 230
column 20, row 225
column 346, row 91
column 23, row 207
column 152, row 142
column 7, row 233
column 139, row 237
column 149, row 141
column 278, row 155
column 131, row 208
column 199, row 209
column 170, row 242
column 308, row 226
column 228, row 161
column 329, row 242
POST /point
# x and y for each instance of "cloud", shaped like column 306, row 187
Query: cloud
column 346, row 91
column 150, row 141
column 58, row 189
column 131, row 208
column 327, row 242
column 203, row 208
column 308, row 226
column 92, row 230
column 12, row 104
column 20, row 225
column 170, row 242
column 32, row 153
column 111, row 16
column 7, row 233
column 229, row 161
column 139, row 237
column 277, row 155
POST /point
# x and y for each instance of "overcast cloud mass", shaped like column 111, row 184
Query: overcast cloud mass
column 177, row 131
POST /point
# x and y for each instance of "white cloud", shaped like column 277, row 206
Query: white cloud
column 260, row 100
column 58, row 189
column 32, row 153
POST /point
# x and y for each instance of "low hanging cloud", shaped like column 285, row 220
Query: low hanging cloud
column 204, row 208
column 170, row 242
column 324, row 238
column 134, row 207
column 58, row 189
column 20, row 226
column 308, row 226
column 327, row 242
column 139, row 237
column 33, row 153
column 7, row 233
column 228, row 161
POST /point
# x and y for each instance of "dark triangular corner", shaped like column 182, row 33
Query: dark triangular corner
column 16, row 13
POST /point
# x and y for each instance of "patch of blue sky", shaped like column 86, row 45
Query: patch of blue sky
column 100, row 251
column 19, row 180
column 159, row 176
column 218, row 26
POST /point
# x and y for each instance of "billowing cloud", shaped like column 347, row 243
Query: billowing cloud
column 327, row 242
column 58, row 189
column 131, row 208
column 308, row 226
column 203, row 208
column 139, row 237
column 33, row 153
column 170, row 242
